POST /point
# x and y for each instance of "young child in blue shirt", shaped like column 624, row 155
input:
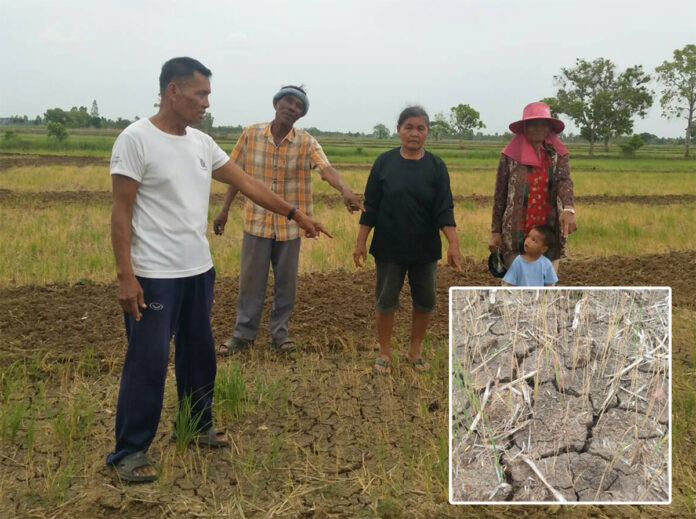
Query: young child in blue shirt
column 532, row 268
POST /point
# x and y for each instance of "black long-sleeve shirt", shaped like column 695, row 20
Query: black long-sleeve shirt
column 407, row 202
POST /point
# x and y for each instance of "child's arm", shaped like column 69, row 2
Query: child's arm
column 550, row 275
column 511, row 276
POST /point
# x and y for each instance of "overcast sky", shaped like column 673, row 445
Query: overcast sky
column 361, row 61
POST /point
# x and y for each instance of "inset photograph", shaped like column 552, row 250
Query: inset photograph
column 560, row 395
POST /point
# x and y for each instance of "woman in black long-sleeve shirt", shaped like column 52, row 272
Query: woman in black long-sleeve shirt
column 407, row 201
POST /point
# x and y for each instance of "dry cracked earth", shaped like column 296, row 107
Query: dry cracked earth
column 560, row 395
column 323, row 438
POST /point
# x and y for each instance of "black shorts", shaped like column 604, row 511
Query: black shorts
column 390, row 279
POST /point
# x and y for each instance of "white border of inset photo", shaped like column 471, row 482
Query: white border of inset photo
column 452, row 350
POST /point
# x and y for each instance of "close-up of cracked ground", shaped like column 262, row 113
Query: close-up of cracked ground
column 560, row 395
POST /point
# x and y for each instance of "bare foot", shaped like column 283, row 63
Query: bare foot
column 144, row 470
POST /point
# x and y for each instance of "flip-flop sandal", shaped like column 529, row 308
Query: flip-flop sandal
column 384, row 364
column 420, row 365
column 234, row 345
column 278, row 347
column 208, row 438
column 125, row 468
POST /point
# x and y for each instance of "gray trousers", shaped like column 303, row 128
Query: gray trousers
column 258, row 254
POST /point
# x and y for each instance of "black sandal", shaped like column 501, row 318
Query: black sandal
column 235, row 345
column 126, row 466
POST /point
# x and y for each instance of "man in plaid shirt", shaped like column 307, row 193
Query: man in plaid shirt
column 281, row 157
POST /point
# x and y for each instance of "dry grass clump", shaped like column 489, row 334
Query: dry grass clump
column 564, row 394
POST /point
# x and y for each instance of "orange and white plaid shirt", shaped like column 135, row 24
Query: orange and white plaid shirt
column 285, row 169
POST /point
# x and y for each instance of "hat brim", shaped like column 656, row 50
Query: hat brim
column 557, row 126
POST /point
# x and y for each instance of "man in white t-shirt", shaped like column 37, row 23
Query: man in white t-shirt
column 161, row 173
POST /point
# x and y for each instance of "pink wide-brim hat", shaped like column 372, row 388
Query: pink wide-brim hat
column 538, row 110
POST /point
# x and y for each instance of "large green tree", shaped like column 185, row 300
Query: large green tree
column 439, row 127
column 601, row 102
column 678, row 78
column 380, row 131
column 57, row 131
column 463, row 119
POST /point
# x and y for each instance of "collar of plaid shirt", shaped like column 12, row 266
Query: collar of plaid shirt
column 267, row 133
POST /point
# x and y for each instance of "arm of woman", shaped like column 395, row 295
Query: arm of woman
column 360, row 251
column 444, row 217
column 565, row 193
column 499, row 203
column 454, row 256
column 368, row 218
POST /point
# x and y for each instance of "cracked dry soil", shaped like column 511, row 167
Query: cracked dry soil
column 560, row 395
column 332, row 442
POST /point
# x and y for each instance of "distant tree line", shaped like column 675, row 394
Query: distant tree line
column 80, row 117
column 602, row 102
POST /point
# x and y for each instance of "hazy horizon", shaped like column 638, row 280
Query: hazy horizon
column 361, row 62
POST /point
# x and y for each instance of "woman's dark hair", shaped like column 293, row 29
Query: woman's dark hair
column 413, row 111
column 547, row 232
column 180, row 67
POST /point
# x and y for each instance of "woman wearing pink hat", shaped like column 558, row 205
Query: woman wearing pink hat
column 532, row 186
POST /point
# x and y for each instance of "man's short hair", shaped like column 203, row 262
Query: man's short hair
column 547, row 232
column 413, row 111
column 182, row 67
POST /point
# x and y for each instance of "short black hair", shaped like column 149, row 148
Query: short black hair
column 413, row 111
column 180, row 67
column 547, row 232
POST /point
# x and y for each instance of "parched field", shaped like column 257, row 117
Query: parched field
column 314, row 434
column 560, row 395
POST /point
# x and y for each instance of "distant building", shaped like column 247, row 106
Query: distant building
column 4, row 121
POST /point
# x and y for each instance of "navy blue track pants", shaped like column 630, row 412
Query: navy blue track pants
column 179, row 307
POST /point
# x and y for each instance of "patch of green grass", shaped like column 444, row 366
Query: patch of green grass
column 73, row 420
column 87, row 363
column 11, row 417
column 230, row 391
column 57, row 482
column 389, row 507
column 186, row 424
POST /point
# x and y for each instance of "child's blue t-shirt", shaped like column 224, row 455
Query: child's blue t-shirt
column 537, row 273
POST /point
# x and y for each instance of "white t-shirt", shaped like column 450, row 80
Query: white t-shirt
column 170, row 213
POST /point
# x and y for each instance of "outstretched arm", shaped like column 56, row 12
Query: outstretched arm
column 233, row 175
column 350, row 199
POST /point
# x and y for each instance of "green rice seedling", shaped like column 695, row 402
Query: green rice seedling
column 73, row 419
column 62, row 427
column 30, row 436
column 689, row 498
column 83, row 413
column 442, row 460
column 186, row 423
column 230, row 391
column 11, row 416
column 389, row 507
column 57, row 482
column 267, row 390
column 87, row 363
